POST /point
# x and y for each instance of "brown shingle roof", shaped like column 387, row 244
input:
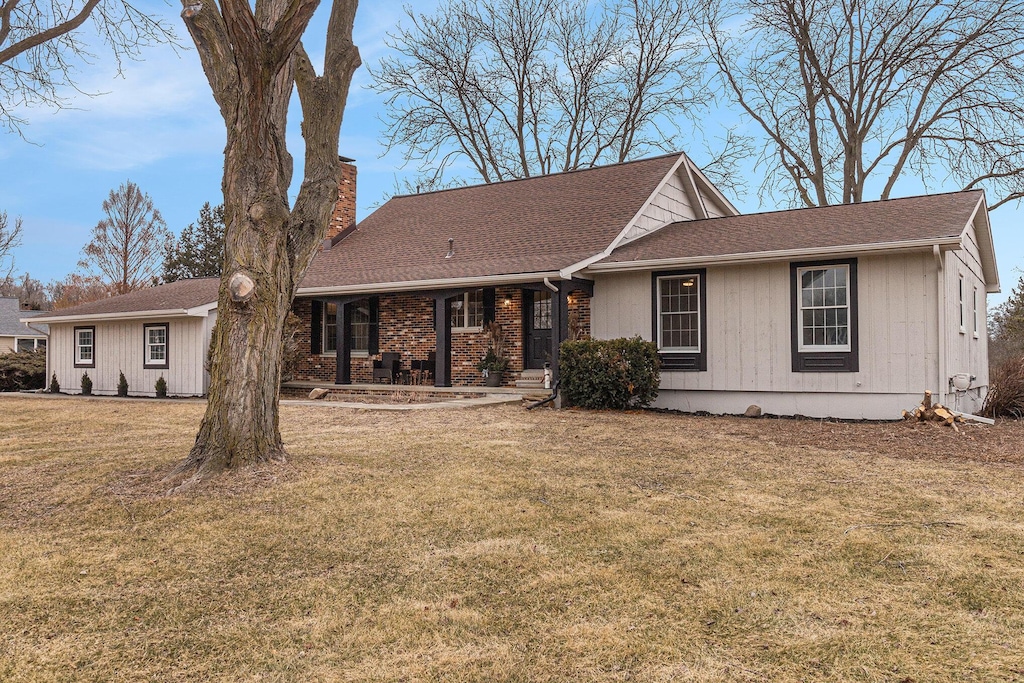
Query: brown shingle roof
column 521, row 226
column 880, row 222
column 174, row 296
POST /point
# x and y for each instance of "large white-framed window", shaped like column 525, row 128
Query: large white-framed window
column 678, row 309
column 22, row 344
column 85, row 347
column 468, row 311
column 156, row 346
column 360, row 329
column 679, row 313
column 823, row 316
column 823, row 308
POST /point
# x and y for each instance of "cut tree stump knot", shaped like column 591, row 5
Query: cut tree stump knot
column 242, row 287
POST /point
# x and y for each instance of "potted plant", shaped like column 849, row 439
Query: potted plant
column 492, row 366
column 494, row 363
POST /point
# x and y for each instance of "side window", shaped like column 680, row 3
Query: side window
column 156, row 346
column 85, row 347
column 680, row 319
column 824, row 316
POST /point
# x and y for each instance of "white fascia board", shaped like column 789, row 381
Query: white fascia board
column 986, row 245
column 201, row 311
column 780, row 255
column 427, row 285
column 643, row 207
column 127, row 315
column 699, row 174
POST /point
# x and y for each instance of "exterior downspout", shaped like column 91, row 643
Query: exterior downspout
column 940, row 290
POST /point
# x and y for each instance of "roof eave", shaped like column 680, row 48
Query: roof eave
column 126, row 315
column 777, row 255
column 429, row 285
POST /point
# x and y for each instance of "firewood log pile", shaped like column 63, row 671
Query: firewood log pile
column 937, row 413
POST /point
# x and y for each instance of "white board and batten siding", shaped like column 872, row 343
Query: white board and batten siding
column 749, row 340
column 967, row 343
column 119, row 348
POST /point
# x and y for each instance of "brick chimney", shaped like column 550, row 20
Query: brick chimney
column 343, row 219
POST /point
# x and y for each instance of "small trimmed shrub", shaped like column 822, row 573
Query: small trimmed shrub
column 609, row 374
column 22, row 371
column 122, row 385
column 54, row 384
column 86, row 384
column 161, row 387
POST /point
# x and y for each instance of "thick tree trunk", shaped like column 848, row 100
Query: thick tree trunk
column 252, row 61
column 241, row 422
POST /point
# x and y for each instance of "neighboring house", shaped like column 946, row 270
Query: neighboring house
column 16, row 335
column 159, row 331
column 848, row 311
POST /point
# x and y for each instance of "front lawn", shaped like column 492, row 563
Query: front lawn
column 503, row 545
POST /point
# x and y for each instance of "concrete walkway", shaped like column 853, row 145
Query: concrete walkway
column 489, row 400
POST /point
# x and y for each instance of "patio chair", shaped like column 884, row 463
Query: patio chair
column 424, row 369
column 388, row 368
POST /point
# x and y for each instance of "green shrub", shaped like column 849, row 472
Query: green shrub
column 54, row 384
column 86, row 384
column 161, row 387
column 613, row 373
column 21, row 371
column 122, row 385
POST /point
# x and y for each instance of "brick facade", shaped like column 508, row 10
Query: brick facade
column 406, row 326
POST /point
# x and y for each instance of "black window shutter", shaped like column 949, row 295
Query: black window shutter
column 374, row 342
column 316, row 321
column 488, row 305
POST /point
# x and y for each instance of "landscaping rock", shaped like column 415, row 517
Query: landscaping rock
column 753, row 411
column 317, row 393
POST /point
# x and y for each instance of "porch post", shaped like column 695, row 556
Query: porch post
column 442, row 330
column 343, row 359
column 559, row 323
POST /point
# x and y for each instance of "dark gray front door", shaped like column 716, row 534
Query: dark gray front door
column 537, row 327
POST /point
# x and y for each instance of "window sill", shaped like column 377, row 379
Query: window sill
column 351, row 354
column 975, row 335
column 963, row 331
column 467, row 329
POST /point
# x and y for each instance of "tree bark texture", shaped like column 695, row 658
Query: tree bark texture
column 251, row 61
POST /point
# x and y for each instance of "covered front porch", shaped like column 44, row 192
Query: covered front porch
column 438, row 337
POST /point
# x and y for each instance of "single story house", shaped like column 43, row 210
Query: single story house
column 847, row 311
column 159, row 331
column 16, row 335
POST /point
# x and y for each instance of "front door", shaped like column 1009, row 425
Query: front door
column 537, row 328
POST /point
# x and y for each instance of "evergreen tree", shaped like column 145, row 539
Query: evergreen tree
column 199, row 251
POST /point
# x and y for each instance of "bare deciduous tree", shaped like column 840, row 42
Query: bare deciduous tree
column 28, row 290
column 78, row 289
column 10, row 237
column 41, row 43
column 252, row 59
column 127, row 246
column 525, row 87
column 854, row 95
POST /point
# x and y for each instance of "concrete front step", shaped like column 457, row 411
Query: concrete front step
column 531, row 379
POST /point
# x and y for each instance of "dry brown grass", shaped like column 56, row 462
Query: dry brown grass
column 503, row 545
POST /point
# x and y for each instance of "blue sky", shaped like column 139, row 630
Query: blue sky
column 157, row 125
